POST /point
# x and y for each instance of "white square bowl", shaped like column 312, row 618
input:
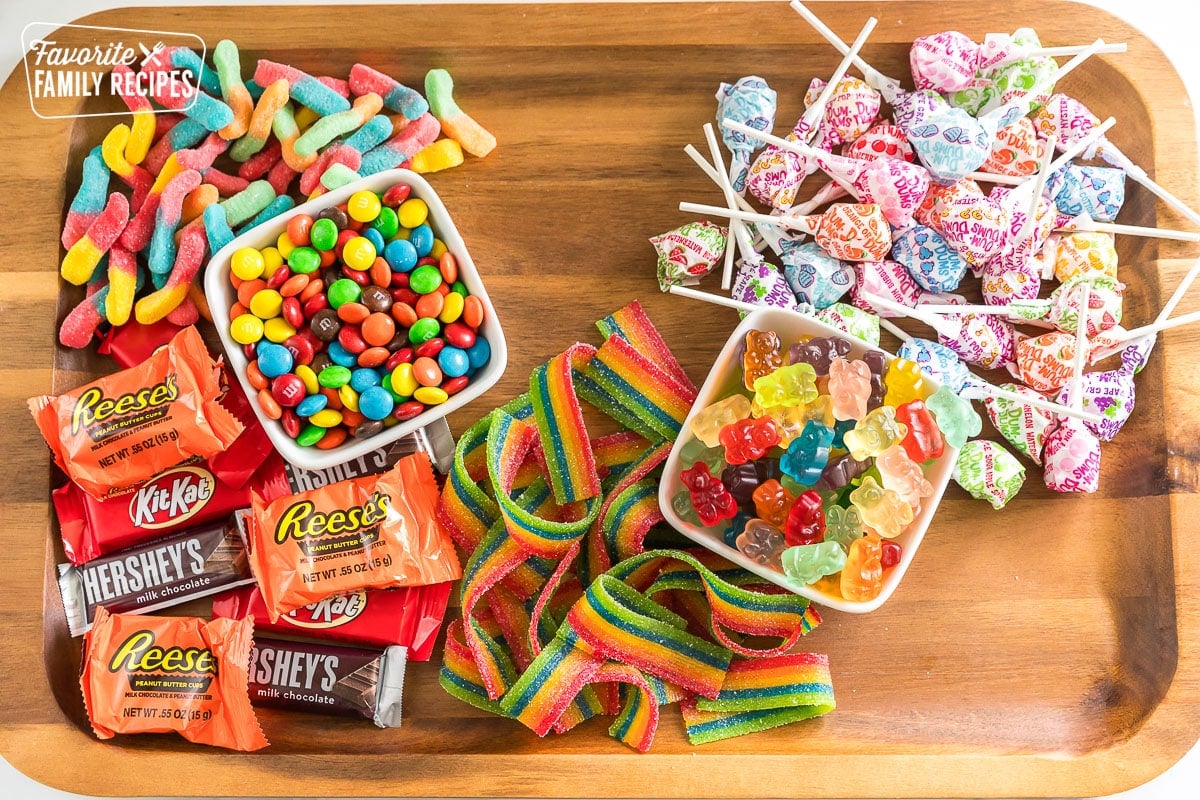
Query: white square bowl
column 723, row 379
column 221, row 295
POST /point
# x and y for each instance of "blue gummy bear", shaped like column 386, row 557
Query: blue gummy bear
column 736, row 526
column 808, row 454
column 839, row 430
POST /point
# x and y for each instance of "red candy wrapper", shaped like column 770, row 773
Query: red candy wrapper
column 131, row 344
column 373, row 532
column 410, row 617
column 116, row 433
column 181, row 497
column 186, row 675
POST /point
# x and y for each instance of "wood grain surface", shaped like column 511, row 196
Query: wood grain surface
column 1049, row 649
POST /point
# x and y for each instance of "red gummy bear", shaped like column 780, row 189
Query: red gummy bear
column 924, row 439
column 890, row 553
column 748, row 439
column 806, row 520
column 708, row 495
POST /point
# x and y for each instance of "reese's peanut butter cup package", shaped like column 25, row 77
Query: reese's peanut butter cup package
column 115, row 433
column 145, row 674
column 378, row 531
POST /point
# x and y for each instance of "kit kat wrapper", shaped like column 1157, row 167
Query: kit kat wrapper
column 182, row 497
column 183, row 566
column 328, row 679
column 115, row 433
column 410, row 617
column 185, row 675
column 376, row 532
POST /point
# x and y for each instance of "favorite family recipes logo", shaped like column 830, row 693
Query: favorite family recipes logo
column 90, row 71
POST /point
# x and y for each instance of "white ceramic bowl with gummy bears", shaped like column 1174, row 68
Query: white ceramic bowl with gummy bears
column 725, row 379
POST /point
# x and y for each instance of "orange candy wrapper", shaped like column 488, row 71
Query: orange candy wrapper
column 117, row 432
column 374, row 532
column 146, row 674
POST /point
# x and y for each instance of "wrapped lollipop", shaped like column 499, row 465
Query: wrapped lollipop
column 752, row 102
column 851, row 111
column 1061, row 310
column 1024, row 425
column 1098, row 192
column 847, row 231
column 882, row 140
column 949, row 61
column 814, row 276
column 1110, row 393
column 776, row 174
column 1016, row 150
column 688, row 253
column 1071, row 457
column 1064, row 120
column 896, row 186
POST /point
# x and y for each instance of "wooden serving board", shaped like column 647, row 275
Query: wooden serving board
column 1049, row 649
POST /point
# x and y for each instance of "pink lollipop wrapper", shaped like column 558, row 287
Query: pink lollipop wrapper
column 896, row 186
column 944, row 61
column 974, row 226
column 1071, row 458
column 776, row 175
column 1023, row 425
column 882, row 140
column 886, row 279
column 983, row 339
column 1017, row 251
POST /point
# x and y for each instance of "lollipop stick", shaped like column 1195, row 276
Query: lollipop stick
column 720, row 300
column 1065, row 50
column 1162, row 325
column 1090, row 225
column 826, row 194
column 1039, row 182
column 943, row 327
column 1013, row 309
column 895, row 330
column 735, row 227
column 807, row 127
column 978, row 389
column 1180, row 290
column 888, row 87
column 1073, row 150
column 744, row 216
column 794, row 147
column 1081, row 346
column 715, row 177
column 995, row 177
column 1139, row 175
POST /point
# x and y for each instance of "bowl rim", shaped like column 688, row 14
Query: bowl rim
column 217, row 291
column 771, row 318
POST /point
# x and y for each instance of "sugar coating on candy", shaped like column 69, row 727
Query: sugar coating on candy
column 459, row 126
column 273, row 98
column 987, row 471
column 84, row 256
column 442, row 154
column 408, row 141
column 229, row 74
column 90, row 200
column 326, row 129
column 303, row 88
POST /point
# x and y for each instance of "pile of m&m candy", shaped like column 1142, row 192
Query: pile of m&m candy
column 817, row 462
column 355, row 319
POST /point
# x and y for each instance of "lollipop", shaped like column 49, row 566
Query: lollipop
column 752, row 102
column 850, row 232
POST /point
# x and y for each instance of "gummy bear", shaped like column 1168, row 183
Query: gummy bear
column 749, row 439
column 682, row 504
column 923, row 440
column 789, row 420
column 819, row 351
column 821, row 410
column 849, row 386
column 761, row 357
column 890, row 553
column 772, row 502
column 741, row 480
column 736, row 526
column 708, row 422
column 877, row 362
column 762, row 543
column 905, row 382
column 695, row 451
column 809, row 562
column 792, row 385
column 840, row 472
column 843, row 525
column 874, row 433
column 708, row 495
column 862, row 575
column 839, row 433
column 903, row 476
column 881, row 509
column 808, row 453
column 955, row 417
column 806, row 520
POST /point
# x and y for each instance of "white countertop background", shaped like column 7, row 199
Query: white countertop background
column 1160, row 20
